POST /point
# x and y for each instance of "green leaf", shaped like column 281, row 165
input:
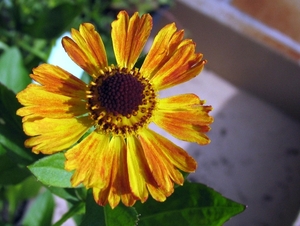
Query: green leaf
column 94, row 214
column 191, row 204
column 50, row 171
column 46, row 24
column 10, row 171
column 15, row 195
column 41, row 211
column 29, row 188
column 12, row 71
column 68, row 194
column 106, row 216
column 121, row 215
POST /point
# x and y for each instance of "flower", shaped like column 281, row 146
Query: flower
column 120, row 158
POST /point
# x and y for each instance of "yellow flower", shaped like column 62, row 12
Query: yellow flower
column 121, row 159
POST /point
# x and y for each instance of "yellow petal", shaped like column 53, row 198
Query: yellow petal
column 117, row 184
column 53, row 135
column 157, row 193
column 171, row 60
column 119, row 173
column 91, row 161
column 160, row 160
column 129, row 36
column 181, row 67
column 39, row 102
column 185, row 121
column 172, row 154
column 138, row 169
column 101, row 195
column 182, row 101
column 56, row 80
column 87, row 49
column 164, row 43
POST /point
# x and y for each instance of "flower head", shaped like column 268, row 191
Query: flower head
column 121, row 159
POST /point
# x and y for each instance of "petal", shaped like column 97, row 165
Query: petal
column 157, row 193
column 129, row 36
column 91, row 160
column 53, row 135
column 171, row 60
column 39, row 102
column 117, row 185
column 171, row 153
column 187, row 121
column 87, row 49
column 160, row 161
column 181, row 67
column 56, row 80
column 119, row 180
column 182, row 101
column 164, row 43
column 138, row 170
column 101, row 195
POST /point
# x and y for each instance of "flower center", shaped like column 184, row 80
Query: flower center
column 121, row 94
column 120, row 101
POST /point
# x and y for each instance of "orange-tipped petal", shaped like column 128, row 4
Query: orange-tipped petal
column 39, row 102
column 171, row 60
column 173, row 154
column 129, row 36
column 181, row 67
column 182, row 101
column 185, row 121
column 160, row 50
column 161, row 162
column 86, row 49
column 53, row 135
column 116, row 182
column 56, row 80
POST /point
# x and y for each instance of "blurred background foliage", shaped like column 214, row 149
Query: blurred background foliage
column 33, row 26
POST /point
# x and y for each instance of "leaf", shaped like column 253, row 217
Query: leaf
column 191, row 204
column 29, row 188
column 15, row 195
column 41, row 211
column 94, row 214
column 46, row 23
column 10, row 171
column 12, row 71
column 50, row 171
column 121, row 215
column 67, row 194
column 106, row 216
